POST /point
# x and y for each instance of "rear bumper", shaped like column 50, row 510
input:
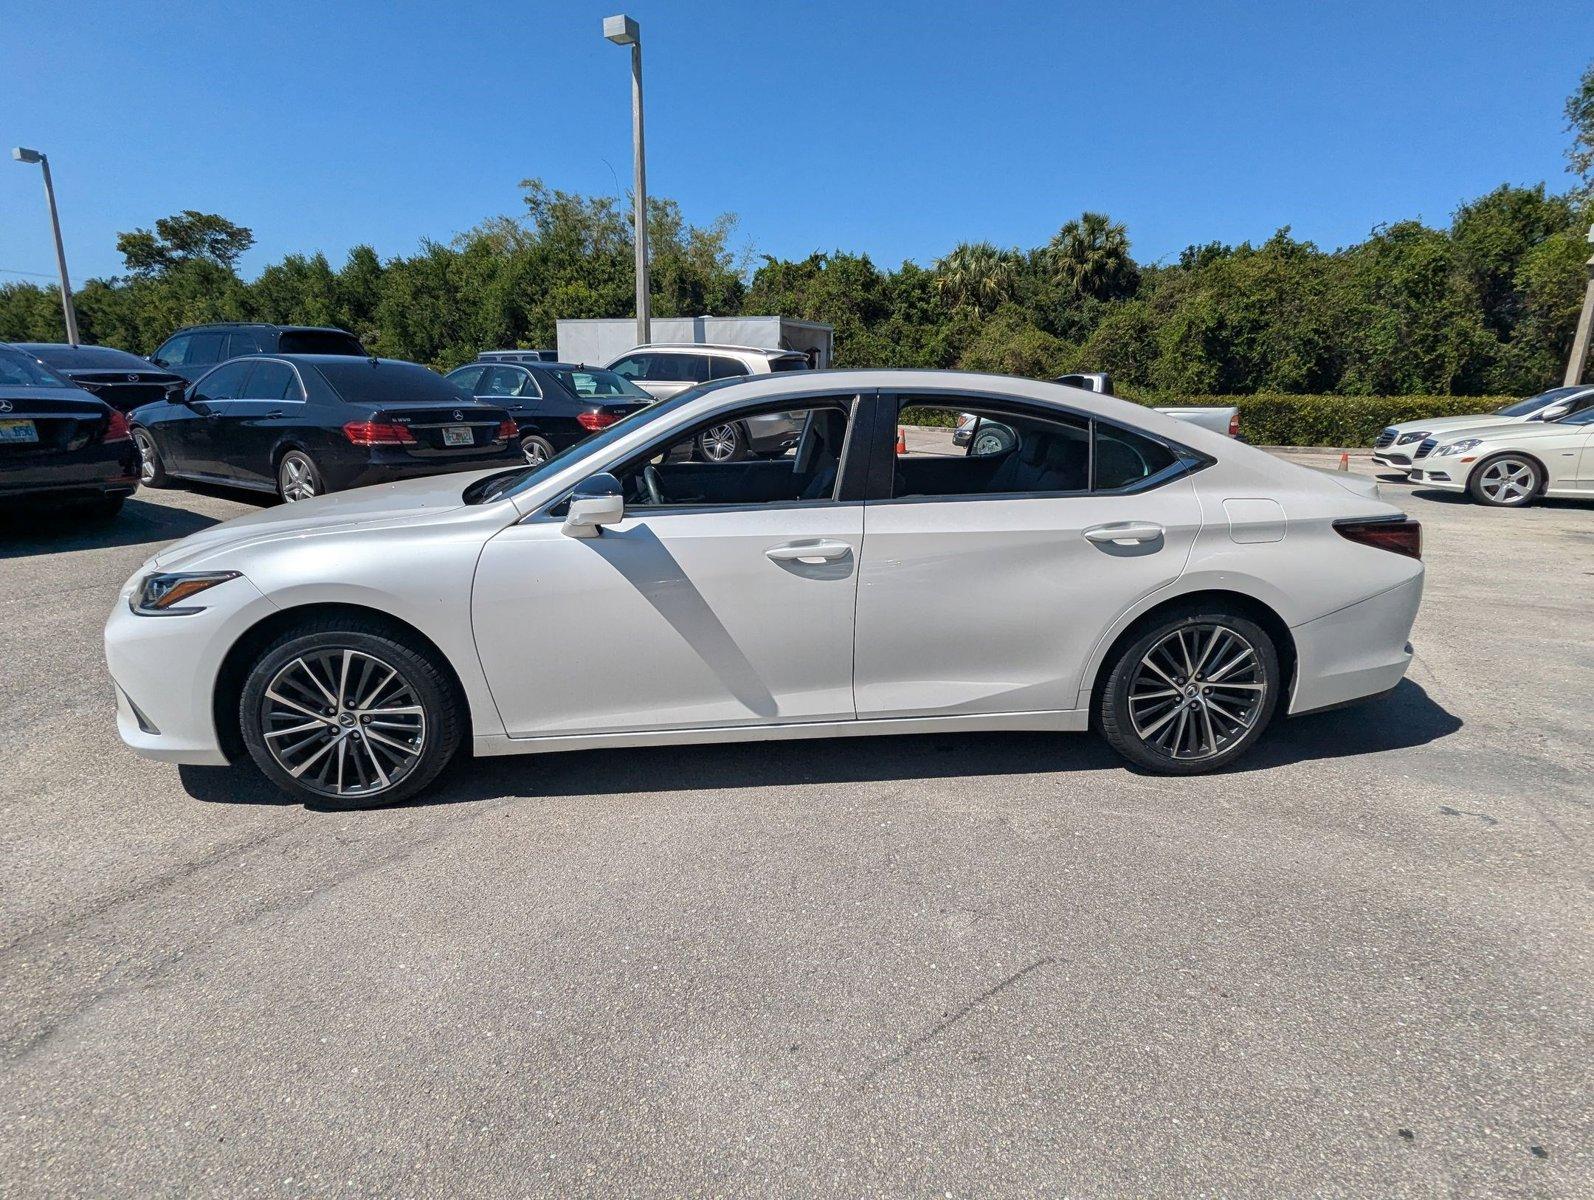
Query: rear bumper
column 104, row 470
column 1357, row 652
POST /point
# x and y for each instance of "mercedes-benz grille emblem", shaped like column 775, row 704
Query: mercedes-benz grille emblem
column 458, row 416
column 5, row 406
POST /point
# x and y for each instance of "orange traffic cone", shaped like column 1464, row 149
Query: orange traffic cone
column 1344, row 460
column 902, row 440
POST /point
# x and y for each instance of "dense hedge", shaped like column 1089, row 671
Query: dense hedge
column 1273, row 420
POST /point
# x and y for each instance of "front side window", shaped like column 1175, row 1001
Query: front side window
column 226, row 382
column 632, row 366
column 174, row 353
column 803, row 463
column 504, row 382
column 467, row 377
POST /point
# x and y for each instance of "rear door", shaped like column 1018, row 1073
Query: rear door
column 990, row 572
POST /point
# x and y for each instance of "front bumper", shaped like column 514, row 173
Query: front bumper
column 1395, row 460
column 1447, row 476
column 165, row 671
column 1362, row 650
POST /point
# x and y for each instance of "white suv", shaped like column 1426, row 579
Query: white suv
column 665, row 369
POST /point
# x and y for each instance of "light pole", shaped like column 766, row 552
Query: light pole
column 1585, row 328
column 22, row 154
column 623, row 31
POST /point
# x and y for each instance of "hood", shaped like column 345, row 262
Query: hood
column 404, row 502
column 1509, row 431
column 1446, row 424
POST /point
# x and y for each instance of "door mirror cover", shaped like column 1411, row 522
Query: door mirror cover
column 1554, row 413
column 596, row 501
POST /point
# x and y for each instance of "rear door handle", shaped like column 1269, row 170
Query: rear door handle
column 272, row 415
column 808, row 552
column 1124, row 533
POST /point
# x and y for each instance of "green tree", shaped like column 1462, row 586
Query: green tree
column 976, row 276
column 1090, row 257
column 1580, row 124
column 188, row 236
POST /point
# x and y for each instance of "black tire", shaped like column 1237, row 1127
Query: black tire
column 298, row 478
column 370, row 648
column 536, row 450
column 151, row 468
column 1506, row 481
column 1223, row 680
column 724, row 443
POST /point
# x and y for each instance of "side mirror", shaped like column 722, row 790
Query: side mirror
column 1554, row 413
column 597, row 501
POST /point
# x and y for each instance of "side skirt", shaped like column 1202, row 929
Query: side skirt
column 1070, row 721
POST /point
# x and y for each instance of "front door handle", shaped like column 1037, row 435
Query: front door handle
column 1124, row 533
column 808, row 552
column 272, row 415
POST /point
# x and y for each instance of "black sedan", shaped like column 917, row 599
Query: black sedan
column 555, row 404
column 122, row 380
column 304, row 424
column 58, row 444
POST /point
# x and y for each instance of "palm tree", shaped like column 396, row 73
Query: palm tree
column 1091, row 256
column 976, row 275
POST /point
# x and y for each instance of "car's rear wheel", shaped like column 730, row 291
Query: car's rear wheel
column 298, row 478
column 723, row 443
column 346, row 715
column 1192, row 693
column 536, row 450
column 151, row 470
column 1506, row 481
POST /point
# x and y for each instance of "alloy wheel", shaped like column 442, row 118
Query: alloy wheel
column 1197, row 692
column 343, row 723
column 535, row 452
column 720, row 443
column 297, row 478
column 146, row 457
column 1507, row 480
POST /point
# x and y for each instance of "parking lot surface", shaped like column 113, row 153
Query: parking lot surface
column 1358, row 965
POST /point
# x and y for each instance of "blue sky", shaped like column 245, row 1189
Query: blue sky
column 892, row 129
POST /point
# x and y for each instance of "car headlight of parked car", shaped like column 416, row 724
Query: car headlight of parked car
column 163, row 594
column 1460, row 447
column 1408, row 438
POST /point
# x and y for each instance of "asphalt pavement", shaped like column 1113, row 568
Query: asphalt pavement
column 998, row 964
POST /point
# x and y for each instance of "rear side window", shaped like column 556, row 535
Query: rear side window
column 361, row 381
column 727, row 368
column 678, row 368
column 273, row 381
column 319, row 341
column 243, row 341
column 205, row 347
column 1124, row 458
column 994, row 453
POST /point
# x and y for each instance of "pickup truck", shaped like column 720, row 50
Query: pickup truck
column 1220, row 418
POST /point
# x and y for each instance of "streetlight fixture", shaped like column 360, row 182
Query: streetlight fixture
column 23, row 155
column 623, row 31
column 1585, row 327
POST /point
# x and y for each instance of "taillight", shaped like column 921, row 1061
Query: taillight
column 1400, row 537
column 1234, row 423
column 507, row 429
column 378, row 433
column 116, row 429
column 596, row 420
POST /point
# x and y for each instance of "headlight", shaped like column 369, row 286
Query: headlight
column 1460, row 447
column 1406, row 438
column 163, row 594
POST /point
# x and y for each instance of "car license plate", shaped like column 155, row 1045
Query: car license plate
column 18, row 431
column 457, row 435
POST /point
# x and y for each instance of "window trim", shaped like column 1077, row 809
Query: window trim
column 256, row 362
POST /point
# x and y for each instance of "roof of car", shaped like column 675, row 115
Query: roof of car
column 263, row 325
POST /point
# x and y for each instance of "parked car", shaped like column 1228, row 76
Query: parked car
column 518, row 356
column 192, row 351
column 1512, row 465
column 122, row 380
column 304, row 424
column 1116, row 569
column 666, row 370
column 1397, row 445
column 58, row 444
column 554, row 405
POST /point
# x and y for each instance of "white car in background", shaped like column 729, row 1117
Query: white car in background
column 1397, row 445
column 1511, row 466
column 1114, row 569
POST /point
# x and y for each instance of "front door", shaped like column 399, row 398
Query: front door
column 724, row 598
column 269, row 403
column 992, row 571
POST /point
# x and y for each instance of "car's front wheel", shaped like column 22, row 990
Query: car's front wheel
column 344, row 714
column 1192, row 693
column 1506, row 481
column 298, row 478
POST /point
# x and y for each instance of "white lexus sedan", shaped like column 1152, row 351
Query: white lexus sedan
column 1396, row 447
column 1112, row 568
column 1511, row 466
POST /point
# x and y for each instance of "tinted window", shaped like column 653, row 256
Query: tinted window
column 361, row 381
column 796, row 362
column 23, row 370
column 243, row 341
column 506, row 382
column 590, row 381
column 466, row 377
column 205, row 347
column 1005, row 452
column 224, row 383
column 86, row 357
column 632, row 366
column 1124, row 458
column 175, row 352
column 665, row 368
column 727, row 368
column 319, row 341
column 273, row 381
column 1584, row 416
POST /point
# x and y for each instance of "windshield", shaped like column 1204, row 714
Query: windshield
column 594, row 381
column 497, row 487
column 23, row 370
column 1533, row 403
